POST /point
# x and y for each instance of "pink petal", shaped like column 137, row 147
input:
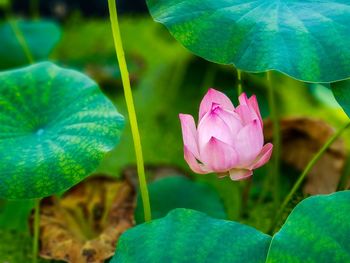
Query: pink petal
column 246, row 114
column 193, row 163
column 253, row 102
column 214, row 96
column 231, row 118
column 189, row 133
column 249, row 109
column 243, row 99
column 263, row 157
column 249, row 143
column 240, row 174
column 211, row 125
column 219, row 156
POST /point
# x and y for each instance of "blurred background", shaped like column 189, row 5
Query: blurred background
column 167, row 80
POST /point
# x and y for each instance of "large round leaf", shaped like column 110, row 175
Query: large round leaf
column 307, row 40
column 180, row 192
column 189, row 236
column 56, row 126
column 39, row 36
column 317, row 230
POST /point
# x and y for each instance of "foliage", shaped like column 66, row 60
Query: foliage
column 316, row 231
column 341, row 91
column 189, row 236
column 180, row 192
column 56, row 128
column 40, row 37
column 306, row 40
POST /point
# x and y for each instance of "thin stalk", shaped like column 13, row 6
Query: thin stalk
column 34, row 8
column 21, row 40
column 344, row 179
column 239, row 78
column 275, row 164
column 209, row 77
column 131, row 108
column 307, row 169
column 246, row 188
column 18, row 34
column 36, row 231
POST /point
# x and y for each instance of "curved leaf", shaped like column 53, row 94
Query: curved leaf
column 40, row 37
column 180, row 192
column 317, row 230
column 341, row 91
column 56, row 126
column 307, row 40
column 189, row 236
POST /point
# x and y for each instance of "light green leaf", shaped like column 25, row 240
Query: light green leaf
column 316, row 231
column 307, row 40
column 56, row 126
column 180, row 192
column 40, row 37
column 189, row 236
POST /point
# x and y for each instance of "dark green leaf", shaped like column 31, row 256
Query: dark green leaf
column 307, row 40
column 189, row 236
column 56, row 126
column 180, row 192
column 341, row 91
column 40, row 36
column 317, row 230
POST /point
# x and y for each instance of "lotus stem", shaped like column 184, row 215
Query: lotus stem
column 239, row 78
column 307, row 169
column 36, row 230
column 275, row 165
column 22, row 41
column 131, row 108
column 34, row 8
column 209, row 78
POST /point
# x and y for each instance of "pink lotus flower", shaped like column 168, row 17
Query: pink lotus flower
column 228, row 140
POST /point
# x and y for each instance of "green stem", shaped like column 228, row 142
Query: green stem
column 239, row 78
column 36, row 231
column 307, row 169
column 34, row 8
column 345, row 176
column 21, row 40
column 275, row 164
column 131, row 108
column 209, row 77
column 246, row 187
column 23, row 43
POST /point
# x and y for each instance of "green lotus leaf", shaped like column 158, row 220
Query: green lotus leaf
column 317, row 230
column 341, row 91
column 56, row 126
column 186, row 235
column 180, row 192
column 40, row 36
column 307, row 40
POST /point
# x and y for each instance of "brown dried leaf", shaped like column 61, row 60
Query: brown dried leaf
column 301, row 139
column 85, row 224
